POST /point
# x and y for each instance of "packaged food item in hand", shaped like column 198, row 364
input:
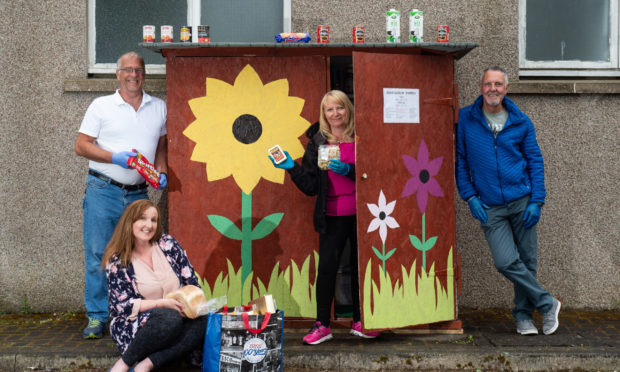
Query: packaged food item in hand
column 327, row 153
column 292, row 37
column 193, row 300
column 277, row 154
column 145, row 168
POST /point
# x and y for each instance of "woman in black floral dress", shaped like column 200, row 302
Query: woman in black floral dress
column 142, row 266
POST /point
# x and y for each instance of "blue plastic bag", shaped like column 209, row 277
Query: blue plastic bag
column 211, row 349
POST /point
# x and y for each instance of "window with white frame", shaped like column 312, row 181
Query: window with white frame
column 115, row 26
column 568, row 38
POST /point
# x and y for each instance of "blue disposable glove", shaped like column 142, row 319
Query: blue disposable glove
column 531, row 215
column 477, row 208
column 339, row 167
column 163, row 180
column 287, row 164
column 120, row 158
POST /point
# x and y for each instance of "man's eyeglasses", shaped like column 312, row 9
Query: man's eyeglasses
column 129, row 70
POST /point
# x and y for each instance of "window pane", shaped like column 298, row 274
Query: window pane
column 242, row 20
column 562, row 30
column 119, row 26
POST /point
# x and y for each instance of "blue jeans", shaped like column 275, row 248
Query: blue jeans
column 514, row 251
column 103, row 206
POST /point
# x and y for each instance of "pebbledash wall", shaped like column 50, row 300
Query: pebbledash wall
column 44, row 92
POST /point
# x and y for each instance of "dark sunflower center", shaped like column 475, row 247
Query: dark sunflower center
column 424, row 176
column 382, row 216
column 247, row 129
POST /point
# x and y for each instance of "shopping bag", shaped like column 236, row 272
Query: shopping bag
column 247, row 343
column 211, row 349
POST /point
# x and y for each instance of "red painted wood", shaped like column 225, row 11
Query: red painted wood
column 192, row 198
column 380, row 148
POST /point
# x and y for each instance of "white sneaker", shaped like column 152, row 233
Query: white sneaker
column 550, row 318
column 526, row 327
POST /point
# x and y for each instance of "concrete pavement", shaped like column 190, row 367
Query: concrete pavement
column 584, row 341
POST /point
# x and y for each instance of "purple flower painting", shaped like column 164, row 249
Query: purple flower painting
column 423, row 172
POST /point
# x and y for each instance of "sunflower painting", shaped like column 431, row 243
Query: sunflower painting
column 234, row 126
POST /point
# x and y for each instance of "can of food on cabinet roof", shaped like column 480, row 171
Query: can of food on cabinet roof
column 203, row 34
column 166, row 34
column 322, row 34
column 148, row 34
column 185, row 34
column 416, row 26
column 359, row 34
column 443, row 34
column 392, row 25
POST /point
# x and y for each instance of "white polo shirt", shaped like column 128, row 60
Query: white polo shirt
column 116, row 127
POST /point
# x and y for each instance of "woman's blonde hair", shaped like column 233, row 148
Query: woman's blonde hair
column 342, row 99
column 121, row 243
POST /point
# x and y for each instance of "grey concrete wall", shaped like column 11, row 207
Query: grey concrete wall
column 42, row 181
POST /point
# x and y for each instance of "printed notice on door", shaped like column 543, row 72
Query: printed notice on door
column 401, row 105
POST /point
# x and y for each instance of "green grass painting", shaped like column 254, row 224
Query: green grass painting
column 419, row 299
column 291, row 287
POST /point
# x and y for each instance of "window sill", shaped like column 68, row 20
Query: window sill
column 565, row 87
column 109, row 85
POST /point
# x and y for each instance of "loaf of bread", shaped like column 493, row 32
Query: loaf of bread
column 193, row 300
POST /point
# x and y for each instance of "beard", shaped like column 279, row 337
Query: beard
column 493, row 100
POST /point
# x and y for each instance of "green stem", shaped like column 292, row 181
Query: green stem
column 383, row 256
column 424, row 241
column 246, row 240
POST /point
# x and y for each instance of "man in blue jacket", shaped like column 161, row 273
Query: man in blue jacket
column 500, row 173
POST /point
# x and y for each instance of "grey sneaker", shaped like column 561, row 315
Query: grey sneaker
column 550, row 318
column 526, row 327
column 94, row 329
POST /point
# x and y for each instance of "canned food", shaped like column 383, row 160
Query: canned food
column 185, row 34
column 322, row 34
column 148, row 34
column 166, row 34
column 443, row 34
column 203, row 34
column 359, row 34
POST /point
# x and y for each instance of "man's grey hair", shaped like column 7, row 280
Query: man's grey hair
column 131, row 55
column 495, row 68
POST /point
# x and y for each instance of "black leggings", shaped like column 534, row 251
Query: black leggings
column 165, row 336
column 331, row 246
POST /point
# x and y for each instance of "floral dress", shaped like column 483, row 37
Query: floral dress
column 123, row 291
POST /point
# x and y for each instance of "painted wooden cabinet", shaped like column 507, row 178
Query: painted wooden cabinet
column 246, row 227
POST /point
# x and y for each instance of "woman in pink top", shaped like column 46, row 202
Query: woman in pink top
column 142, row 266
column 334, row 211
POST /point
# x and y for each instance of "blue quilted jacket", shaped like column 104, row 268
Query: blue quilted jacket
column 498, row 169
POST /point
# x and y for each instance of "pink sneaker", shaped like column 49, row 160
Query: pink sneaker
column 356, row 330
column 318, row 334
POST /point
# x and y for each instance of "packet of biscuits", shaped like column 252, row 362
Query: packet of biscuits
column 145, row 168
column 327, row 153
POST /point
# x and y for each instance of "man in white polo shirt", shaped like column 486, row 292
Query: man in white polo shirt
column 112, row 127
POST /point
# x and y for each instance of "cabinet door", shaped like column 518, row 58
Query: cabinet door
column 245, row 226
column 405, row 191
